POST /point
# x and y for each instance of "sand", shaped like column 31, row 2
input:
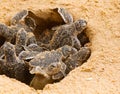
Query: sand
column 101, row 73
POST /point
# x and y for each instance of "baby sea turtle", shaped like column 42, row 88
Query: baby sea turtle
column 67, row 35
column 12, row 66
column 50, row 60
column 9, row 32
column 74, row 61
column 47, row 19
column 49, row 63
column 40, row 67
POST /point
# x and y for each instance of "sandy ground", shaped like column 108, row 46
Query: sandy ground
column 101, row 73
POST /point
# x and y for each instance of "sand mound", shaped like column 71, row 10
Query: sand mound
column 101, row 73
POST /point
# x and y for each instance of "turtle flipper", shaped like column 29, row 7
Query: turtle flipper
column 30, row 22
column 27, row 55
column 39, row 81
column 76, row 43
column 77, row 59
column 30, row 39
column 2, row 62
column 20, row 40
column 61, row 73
column 10, row 55
column 19, row 16
column 38, row 70
column 6, row 32
column 67, row 17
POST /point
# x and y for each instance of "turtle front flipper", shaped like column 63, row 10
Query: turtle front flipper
column 10, row 55
column 6, row 69
column 2, row 52
column 76, row 43
column 2, row 62
column 82, row 55
column 6, row 32
column 27, row 55
column 21, row 38
column 39, row 71
column 61, row 74
column 66, row 16
column 67, row 50
column 77, row 59
column 30, row 22
column 30, row 39
column 39, row 81
column 21, row 73
column 19, row 16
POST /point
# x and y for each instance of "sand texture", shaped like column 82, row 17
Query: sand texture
column 101, row 73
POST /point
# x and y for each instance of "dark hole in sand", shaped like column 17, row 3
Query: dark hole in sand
column 43, row 33
column 2, row 40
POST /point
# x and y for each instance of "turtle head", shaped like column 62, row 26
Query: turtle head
column 80, row 25
column 67, row 50
column 53, row 68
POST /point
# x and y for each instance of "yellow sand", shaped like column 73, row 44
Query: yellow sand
column 101, row 73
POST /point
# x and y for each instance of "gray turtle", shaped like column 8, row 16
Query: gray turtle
column 17, row 22
column 49, row 63
column 74, row 61
column 12, row 66
column 50, row 60
column 45, row 64
column 67, row 35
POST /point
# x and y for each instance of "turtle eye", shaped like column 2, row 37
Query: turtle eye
column 52, row 66
column 80, row 25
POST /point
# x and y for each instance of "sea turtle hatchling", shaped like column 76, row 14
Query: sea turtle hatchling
column 9, row 32
column 55, row 72
column 12, row 66
column 49, row 63
column 67, row 35
column 74, row 61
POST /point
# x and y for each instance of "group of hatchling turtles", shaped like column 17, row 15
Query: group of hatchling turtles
column 45, row 57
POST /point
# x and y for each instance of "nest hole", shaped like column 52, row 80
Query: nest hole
column 43, row 30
